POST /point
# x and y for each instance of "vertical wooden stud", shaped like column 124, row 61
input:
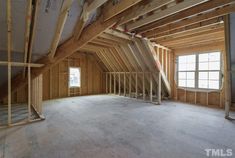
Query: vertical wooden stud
column 151, row 87
column 136, row 85
column 124, row 84
column 159, row 88
column 110, row 83
column 114, row 83
column 119, row 83
column 130, row 84
column 106, row 82
column 9, row 58
column 29, row 93
column 143, row 86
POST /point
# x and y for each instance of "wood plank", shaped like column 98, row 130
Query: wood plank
column 139, row 10
column 196, row 19
column 68, row 48
column 118, row 8
column 27, row 30
column 9, row 44
column 164, row 13
column 184, row 14
column 60, row 26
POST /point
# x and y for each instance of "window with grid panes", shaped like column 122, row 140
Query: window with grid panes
column 202, row 71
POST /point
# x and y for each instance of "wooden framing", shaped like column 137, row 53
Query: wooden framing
column 227, row 66
column 60, row 26
column 195, row 19
column 30, row 100
column 9, row 43
column 118, row 8
column 131, row 63
column 172, row 10
column 209, row 5
column 154, row 95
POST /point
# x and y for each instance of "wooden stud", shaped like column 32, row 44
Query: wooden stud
column 106, row 82
column 143, row 86
column 159, row 88
column 124, row 84
column 29, row 93
column 27, row 31
column 130, row 80
column 119, row 83
column 114, row 83
column 151, row 87
column 136, row 85
column 9, row 43
column 164, row 13
column 110, row 83
column 60, row 26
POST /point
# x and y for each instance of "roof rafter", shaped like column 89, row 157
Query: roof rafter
column 184, row 14
column 70, row 46
column 164, row 13
column 60, row 26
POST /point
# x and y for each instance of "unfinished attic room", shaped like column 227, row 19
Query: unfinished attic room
column 117, row 78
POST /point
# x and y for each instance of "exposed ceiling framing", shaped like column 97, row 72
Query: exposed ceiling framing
column 112, row 31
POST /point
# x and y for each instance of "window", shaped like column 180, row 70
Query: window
column 186, row 71
column 200, row 71
column 74, row 77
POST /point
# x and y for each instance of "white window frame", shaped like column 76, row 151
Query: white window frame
column 197, row 72
column 79, row 78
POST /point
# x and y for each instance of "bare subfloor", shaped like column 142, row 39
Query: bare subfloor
column 110, row 126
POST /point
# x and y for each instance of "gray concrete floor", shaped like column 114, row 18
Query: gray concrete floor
column 110, row 126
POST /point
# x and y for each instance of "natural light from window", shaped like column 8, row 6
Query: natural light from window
column 74, row 77
column 201, row 71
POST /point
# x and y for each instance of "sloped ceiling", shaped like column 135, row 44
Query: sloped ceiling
column 46, row 22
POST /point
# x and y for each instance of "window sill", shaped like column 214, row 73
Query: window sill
column 199, row 90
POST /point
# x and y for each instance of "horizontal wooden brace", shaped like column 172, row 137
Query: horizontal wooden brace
column 19, row 64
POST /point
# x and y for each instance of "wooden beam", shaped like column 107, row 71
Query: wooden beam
column 33, row 29
column 60, row 26
column 143, row 86
column 68, row 48
column 159, row 88
column 151, row 49
column 118, row 8
column 184, row 14
column 106, row 82
column 19, row 64
column 119, row 83
column 124, row 84
column 207, row 25
column 164, row 13
column 94, row 5
column 136, row 85
column 130, row 79
column 9, row 43
column 27, row 30
column 29, row 93
column 151, row 87
column 193, row 34
column 81, row 23
column 227, row 67
column 114, row 83
column 200, row 37
column 86, row 11
column 110, row 83
column 196, row 19
column 118, row 34
column 139, row 10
